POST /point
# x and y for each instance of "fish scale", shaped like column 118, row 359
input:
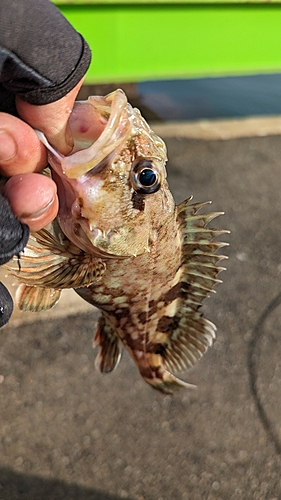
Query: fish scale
column 125, row 247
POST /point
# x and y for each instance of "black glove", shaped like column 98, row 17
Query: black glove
column 13, row 238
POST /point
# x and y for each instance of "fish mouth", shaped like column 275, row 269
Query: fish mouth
column 116, row 122
column 116, row 112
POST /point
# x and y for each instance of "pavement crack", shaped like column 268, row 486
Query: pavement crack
column 253, row 358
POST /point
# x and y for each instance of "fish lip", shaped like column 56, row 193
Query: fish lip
column 112, row 137
column 94, row 157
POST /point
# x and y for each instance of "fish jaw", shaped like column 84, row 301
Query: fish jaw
column 113, row 114
column 100, row 210
column 98, row 215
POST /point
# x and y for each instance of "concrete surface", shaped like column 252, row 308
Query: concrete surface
column 68, row 432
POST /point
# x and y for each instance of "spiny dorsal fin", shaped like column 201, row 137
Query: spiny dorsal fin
column 35, row 299
column 199, row 259
column 183, row 334
column 47, row 262
column 110, row 346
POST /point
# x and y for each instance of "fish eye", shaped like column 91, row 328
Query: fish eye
column 145, row 177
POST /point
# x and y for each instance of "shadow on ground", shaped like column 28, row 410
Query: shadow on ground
column 24, row 487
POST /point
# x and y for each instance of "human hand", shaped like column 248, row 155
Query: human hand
column 32, row 196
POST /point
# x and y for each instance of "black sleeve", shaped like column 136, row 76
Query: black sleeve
column 42, row 57
column 13, row 238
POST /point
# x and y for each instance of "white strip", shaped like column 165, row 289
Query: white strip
column 258, row 126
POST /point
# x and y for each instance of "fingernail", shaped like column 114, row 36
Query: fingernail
column 8, row 146
column 39, row 213
column 43, row 217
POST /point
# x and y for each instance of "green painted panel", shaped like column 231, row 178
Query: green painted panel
column 139, row 42
column 198, row 2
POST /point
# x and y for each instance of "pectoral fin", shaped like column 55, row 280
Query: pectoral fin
column 47, row 262
column 35, row 299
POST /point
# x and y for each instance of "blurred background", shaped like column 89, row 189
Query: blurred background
column 207, row 78
column 184, row 60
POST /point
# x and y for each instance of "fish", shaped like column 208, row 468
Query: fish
column 124, row 246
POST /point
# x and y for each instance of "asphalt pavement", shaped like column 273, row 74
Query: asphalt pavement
column 68, row 432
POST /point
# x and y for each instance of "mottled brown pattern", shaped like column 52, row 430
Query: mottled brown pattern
column 122, row 313
column 143, row 316
column 126, row 154
column 152, row 307
column 173, row 293
column 167, row 324
column 134, row 344
column 146, row 264
column 138, row 201
column 143, row 147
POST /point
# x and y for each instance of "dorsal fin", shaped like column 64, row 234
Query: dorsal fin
column 182, row 334
column 200, row 261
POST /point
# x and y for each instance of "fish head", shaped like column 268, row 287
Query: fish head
column 112, row 188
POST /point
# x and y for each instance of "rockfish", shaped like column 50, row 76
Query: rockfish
column 121, row 242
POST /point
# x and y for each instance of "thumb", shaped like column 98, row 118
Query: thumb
column 52, row 119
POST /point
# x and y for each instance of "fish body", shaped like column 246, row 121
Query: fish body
column 125, row 247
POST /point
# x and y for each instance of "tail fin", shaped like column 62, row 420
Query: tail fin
column 167, row 383
column 155, row 374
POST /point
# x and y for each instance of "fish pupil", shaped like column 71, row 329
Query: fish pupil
column 147, row 177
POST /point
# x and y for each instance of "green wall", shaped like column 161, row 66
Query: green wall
column 156, row 40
